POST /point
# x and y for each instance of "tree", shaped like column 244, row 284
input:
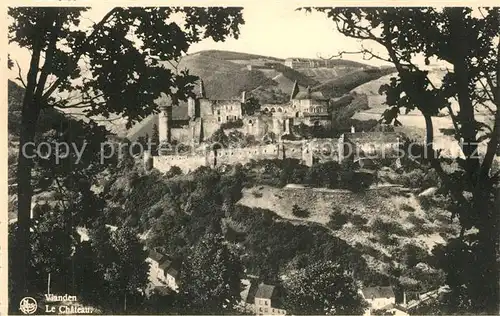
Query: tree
column 128, row 274
column 467, row 40
column 250, row 106
column 59, row 51
column 323, row 288
column 210, row 277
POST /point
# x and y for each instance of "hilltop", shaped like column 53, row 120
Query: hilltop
column 230, row 55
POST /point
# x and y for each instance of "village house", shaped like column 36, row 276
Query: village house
column 382, row 298
column 163, row 270
column 266, row 300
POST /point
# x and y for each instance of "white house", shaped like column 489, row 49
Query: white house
column 265, row 301
column 382, row 298
column 163, row 270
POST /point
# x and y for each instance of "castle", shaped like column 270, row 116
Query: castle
column 195, row 120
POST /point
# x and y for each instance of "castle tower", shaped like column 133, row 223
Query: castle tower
column 295, row 90
column 191, row 108
column 341, row 148
column 164, row 123
column 278, row 125
column 307, row 154
column 202, row 90
column 288, row 124
column 243, row 97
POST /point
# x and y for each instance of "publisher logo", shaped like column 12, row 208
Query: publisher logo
column 28, row 305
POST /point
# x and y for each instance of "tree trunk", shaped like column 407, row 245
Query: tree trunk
column 24, row 193
column 468, row 123
column 29, row 117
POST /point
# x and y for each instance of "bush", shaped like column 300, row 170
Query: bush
column 300, row 212
column 257, row 194
column 411, row 255
column 357, row 220
column 407, row 208
column 337, row 220
column 388, row 240
column 393, row 228
column 232, row 124
column 426, row 202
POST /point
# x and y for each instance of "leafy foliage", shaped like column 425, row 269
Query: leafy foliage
column 101, row 89
column 322, row 288
column 211, row 276
column 468, row 42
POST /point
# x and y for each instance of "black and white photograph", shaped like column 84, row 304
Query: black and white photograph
column 262, row 158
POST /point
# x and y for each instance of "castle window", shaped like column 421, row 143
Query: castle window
column 249, row 121
column 218, row 119
column 218, row 111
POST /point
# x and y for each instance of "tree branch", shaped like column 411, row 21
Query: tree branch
column 51, row 48
column 20, row 75
column 81, row 51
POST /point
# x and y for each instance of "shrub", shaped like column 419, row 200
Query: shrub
column 388, row 240
column 232, row 124
column 425, row 202
column 257, row 194
column 415, row 220
column 300, row 212
column 174, row 171
column 357, row 220
column 337, row 220
column 411, row 255
column 393, row 228
column 407, row 208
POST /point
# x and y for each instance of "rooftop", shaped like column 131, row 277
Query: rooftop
column 264, row 291
column 305, row 95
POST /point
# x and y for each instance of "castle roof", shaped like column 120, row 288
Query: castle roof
column 307, row 95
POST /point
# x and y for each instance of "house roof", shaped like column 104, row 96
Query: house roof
column 173, row 272
column 156, row 256
column 264, row 291
column 378, row 292
column 373, row 137
column 165, row 264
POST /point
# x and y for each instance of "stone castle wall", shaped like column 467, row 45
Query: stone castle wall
column 230, row 156
column 187, row 163
column 308, row 152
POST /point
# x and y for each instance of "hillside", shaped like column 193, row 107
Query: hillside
column 223, row 79
column 341, row 85
column 413, row 122
column 230, row 55
column 380, row 223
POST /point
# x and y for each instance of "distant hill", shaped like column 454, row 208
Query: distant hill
column 223, row 79
column 344, row 84
column 229, row 55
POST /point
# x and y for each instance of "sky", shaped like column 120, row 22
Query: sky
column 276, row 30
